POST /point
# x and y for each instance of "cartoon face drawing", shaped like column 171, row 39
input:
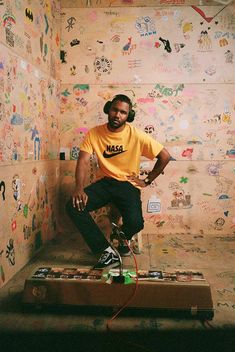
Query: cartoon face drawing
column 149, row 129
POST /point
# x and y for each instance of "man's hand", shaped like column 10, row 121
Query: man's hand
column 79, row 199
column 138, row 182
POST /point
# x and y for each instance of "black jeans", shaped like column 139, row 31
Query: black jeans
column 123, row 195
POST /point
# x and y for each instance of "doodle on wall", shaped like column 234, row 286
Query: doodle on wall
column 2, row 190
column 177, row 115
column 20, row 134
column 29, row 128
column 39, row 33
column 156, row 38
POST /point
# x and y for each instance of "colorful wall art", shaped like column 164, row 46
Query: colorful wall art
column 177, row 66
column 29, row 129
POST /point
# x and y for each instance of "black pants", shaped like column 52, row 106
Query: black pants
column 123, row 195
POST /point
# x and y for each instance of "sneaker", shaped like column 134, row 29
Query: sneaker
column 123, row 249
column 108, row 259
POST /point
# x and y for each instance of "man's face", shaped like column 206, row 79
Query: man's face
column 118, row 114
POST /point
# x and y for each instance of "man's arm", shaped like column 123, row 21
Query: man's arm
column 163, row 159
column 79, row 197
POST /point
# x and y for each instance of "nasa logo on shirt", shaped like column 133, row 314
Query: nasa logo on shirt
column 113, row 150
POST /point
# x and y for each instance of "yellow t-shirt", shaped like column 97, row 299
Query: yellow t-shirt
column 119, row 153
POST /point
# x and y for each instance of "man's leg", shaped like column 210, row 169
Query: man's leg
column 98, row 196
column 127, row 199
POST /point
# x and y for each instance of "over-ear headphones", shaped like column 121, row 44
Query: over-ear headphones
column 125, row 99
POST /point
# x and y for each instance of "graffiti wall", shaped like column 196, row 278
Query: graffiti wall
column 177, row 65
column 29, row 129
column 28, row 213
column 148, row 45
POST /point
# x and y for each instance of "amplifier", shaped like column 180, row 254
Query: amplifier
column 175, row 291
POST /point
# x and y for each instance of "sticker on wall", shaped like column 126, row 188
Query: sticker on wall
column 73, row 70
column 71, row 22
column 46, row 24
column 13, row 225
column 204, row 41
column 2, row 189
column 74, row 153
column 187, row 153
column 166, row 44
column 178, row 46
column 231, row 153
column 180, row 200
column 102, row 65
column 149, row 129
column 219, row 224
column 10, row 252
column 128, row 47
column 63, row 55
column 64, row 153
column 36, row 142
column 74, row 42
column 145, row 26
column 25, row 210
column 8, row 19
column 187, row 28
column 183, row 179
column 29, row 14
column 228, row 57
column 27, row 230
column 80, row 89
column 115, row 38
column 210, row 70
column 16, row 187
column 154, row 205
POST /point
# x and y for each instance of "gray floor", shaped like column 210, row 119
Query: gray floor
column 36, row 330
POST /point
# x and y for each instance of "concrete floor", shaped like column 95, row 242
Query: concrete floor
column 69, row 330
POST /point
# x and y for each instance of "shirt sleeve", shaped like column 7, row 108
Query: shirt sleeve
column 150, row 147
column 86, row 145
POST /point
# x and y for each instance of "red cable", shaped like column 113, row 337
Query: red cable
column 133, row 294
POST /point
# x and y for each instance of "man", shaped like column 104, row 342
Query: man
column 118, row 147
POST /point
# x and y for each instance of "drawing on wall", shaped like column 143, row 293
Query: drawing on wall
column 152, row 40
column 176, row 64
column 190, row 121
column 22, row 125
column 29, row 128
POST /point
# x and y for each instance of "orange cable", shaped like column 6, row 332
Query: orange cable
column 133, row 294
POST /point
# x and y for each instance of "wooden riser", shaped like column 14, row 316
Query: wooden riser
column 192, row 296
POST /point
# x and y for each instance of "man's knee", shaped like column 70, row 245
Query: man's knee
column 139, row 225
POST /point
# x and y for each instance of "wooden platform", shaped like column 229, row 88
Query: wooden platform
column 175, row 291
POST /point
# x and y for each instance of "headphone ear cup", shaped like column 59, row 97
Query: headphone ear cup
column 107, row 107
column 131, row 116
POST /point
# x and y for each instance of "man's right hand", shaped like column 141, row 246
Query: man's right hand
column 79, row 199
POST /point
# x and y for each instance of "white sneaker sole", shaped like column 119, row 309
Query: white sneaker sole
column 110, row 266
